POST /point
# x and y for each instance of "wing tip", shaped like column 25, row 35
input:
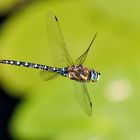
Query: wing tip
column 89, row 112
column 91, row 104
column 56, row 18
column 52, row 15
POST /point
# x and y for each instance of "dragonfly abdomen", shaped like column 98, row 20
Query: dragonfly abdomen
column 25, row 64
column 62, row 71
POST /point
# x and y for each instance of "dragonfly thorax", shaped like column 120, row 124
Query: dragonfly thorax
column 79, row 73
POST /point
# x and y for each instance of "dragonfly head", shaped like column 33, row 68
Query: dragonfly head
column 94, row 76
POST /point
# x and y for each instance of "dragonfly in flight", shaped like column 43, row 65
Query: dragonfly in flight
column 64, row 65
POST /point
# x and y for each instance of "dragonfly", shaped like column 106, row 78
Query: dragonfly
column 64, row 64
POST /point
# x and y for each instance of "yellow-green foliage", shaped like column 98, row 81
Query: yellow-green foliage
column 49, row 109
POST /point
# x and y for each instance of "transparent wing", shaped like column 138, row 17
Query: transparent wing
column 57, row 46
column 47, row 75
column 82, row 58
column 83, row 97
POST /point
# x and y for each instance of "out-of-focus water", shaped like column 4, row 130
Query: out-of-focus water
column 49, row 109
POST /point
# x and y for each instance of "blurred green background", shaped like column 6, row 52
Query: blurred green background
column 49, row 110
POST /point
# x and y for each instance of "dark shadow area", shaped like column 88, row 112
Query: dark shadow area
column 7, row 107
column 19, row 5
column 7, row 102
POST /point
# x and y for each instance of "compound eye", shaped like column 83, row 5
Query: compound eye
column 93, row 76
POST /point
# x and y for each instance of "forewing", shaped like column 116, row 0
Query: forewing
column 82, row 58
column 83, row 97
column 57, row 46
column 47, row 75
